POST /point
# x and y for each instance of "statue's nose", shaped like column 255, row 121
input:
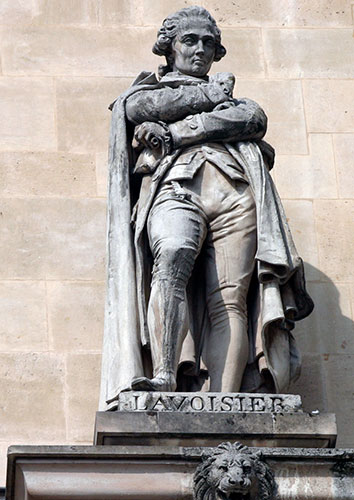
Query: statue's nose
column 200, row 47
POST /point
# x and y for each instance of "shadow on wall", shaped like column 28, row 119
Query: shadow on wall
column 326, row 342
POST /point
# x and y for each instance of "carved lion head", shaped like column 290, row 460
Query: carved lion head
column 233, row 472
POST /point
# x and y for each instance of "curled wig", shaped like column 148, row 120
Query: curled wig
column 168, row 31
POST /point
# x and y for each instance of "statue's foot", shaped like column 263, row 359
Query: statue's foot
column 156, row 384
column 142, row 384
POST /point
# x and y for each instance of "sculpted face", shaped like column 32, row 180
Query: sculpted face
column 193, row 49
column 231, row 476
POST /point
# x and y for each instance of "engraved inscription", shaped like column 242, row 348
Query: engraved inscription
column 209, row 402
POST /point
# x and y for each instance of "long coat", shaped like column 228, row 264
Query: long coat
column 277, row 296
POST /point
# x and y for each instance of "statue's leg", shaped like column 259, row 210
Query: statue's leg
column 230, row 260
column 176, row 230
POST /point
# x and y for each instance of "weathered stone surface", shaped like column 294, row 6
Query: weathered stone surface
column 311, row 384
column 113, row 13
column 82, row 385
column 339, row 370
column 117, row 473
column 23, row 322
column 328, row 105
column 283, row 103
column 334, row 228
column 325, row 53
column 33, row 394
column 155, row 11
column 244, row 55
column 167, row 428
column 208, row 402
column 282, row 14
column 3, row 461
column 330, row 328
column 11, row 11
column 266, row 13
column 292, row 486
column 48, row 12
column 308, row 176
column 27, row 108
column 101, row 173
column 344, row 154
column 80, row 328
column 53, row 239
column 81, row 52
column 47, row 174
column 78, row 12
column 82, row 111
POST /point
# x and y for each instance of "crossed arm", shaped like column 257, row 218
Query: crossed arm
column 193, row 114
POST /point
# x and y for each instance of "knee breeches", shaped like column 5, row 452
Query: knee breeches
column 218, row 214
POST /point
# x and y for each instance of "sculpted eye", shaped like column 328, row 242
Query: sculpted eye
column 223, row 467
column 189, row 41
column 210, row 43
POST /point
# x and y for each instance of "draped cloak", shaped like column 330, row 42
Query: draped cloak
column 277, row 295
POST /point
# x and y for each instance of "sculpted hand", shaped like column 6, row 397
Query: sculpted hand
column 154, row 136
column 156, row 141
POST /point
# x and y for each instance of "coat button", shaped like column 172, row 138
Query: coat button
column 193, row 126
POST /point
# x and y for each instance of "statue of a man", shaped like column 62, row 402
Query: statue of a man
column 204, row 281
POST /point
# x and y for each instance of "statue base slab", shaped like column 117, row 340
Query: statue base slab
column 154, row 442
column 206, row 419
column 152, row 473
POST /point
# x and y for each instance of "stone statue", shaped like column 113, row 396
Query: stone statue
column 204, row 281
column 233, row 471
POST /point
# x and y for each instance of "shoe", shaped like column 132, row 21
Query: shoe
column 157, row 384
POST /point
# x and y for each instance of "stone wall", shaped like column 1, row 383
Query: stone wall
column 62, row 63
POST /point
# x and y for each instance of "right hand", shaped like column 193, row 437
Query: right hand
column 153, row 136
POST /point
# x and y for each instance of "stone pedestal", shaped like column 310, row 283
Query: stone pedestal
column 207, row 419
column 150, row 448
